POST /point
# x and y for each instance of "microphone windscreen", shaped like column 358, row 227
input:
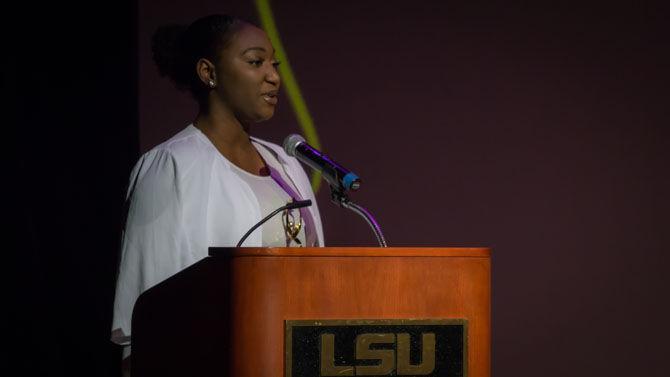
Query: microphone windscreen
column 291, row 142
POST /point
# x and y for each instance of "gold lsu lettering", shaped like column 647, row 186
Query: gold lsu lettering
column 389, row 359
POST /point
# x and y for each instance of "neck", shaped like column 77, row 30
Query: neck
column 231, row 139
column 223, row 128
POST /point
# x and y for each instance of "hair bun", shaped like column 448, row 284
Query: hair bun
column 168, row 53
column 177, row 50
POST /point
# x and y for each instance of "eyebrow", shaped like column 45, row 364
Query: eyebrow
column 256, row 48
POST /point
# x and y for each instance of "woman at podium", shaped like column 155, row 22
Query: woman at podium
column 212, row 182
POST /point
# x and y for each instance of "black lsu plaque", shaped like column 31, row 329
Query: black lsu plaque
column 398, row 347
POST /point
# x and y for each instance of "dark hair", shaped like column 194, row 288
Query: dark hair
column 177, row 48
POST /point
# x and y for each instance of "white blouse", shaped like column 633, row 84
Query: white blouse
column 184, row 196
column 272, row 192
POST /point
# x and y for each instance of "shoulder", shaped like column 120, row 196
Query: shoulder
column 290, row 163
column 277, row 150
column 185, row 149
column 169, row 162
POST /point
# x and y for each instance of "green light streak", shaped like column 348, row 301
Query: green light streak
column 289, row 82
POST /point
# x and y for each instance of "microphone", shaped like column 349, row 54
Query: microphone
column 337, row 176
column 293, row 205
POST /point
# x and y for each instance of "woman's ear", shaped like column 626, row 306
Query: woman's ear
column 206, row 73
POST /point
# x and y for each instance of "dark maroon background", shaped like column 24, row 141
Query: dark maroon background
column 536, row 128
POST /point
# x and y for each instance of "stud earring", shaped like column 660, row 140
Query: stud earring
column 211, row 84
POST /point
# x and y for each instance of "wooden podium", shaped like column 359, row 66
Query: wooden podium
column 319, row 311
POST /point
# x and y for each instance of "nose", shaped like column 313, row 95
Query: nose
column 272, row 76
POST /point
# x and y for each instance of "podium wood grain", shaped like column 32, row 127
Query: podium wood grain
column 263, row 287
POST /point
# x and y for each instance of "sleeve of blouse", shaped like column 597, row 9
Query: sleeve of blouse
column 154, row 244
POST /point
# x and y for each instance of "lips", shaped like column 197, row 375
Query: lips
column 270, row 97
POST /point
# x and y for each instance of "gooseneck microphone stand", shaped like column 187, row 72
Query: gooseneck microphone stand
column 340, row 198
column 339, row 179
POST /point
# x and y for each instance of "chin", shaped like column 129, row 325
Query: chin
column 261, row 117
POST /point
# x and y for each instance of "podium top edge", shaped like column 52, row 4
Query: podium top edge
column 473, row 252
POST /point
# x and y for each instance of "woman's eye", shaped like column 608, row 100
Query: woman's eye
column 256, row 63
column 276, row 64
